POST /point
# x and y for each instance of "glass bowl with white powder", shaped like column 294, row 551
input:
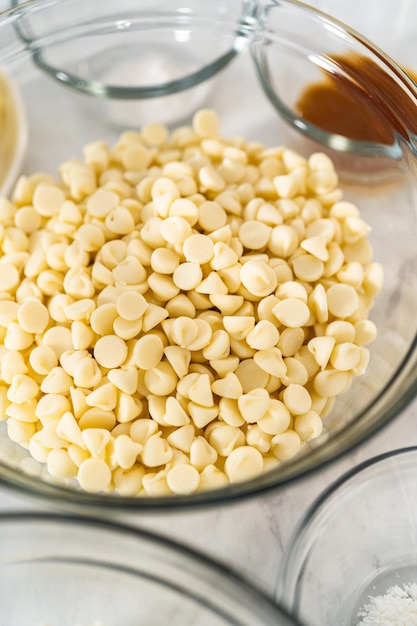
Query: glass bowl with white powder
column 76, row 571
column 197, row 303
column 352, row 560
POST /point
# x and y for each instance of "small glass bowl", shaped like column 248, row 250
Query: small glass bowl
column 75, row 571
column 355, row 542
column 138, row 62
column 257, row 57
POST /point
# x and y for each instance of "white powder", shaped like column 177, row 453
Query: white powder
column 397, row 607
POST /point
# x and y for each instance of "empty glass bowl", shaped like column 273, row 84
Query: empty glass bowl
column 72, row 571
column 87, row 70
column 354, row 544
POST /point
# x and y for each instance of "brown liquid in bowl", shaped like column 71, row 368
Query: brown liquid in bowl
column 361, row 101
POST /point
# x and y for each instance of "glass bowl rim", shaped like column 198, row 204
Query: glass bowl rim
column 290, row 566
column 174, row 86
column 252, row 27
column 231, row 578
column 339, row 143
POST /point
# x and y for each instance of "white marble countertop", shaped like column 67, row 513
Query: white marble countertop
column 250, row 536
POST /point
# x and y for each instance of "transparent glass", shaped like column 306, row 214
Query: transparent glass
column 390, row 24
column 356, row 541
column 62, row 566
column 257, row 58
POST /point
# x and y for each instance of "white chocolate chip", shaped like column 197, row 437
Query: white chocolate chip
column 285, row 445
column 321, row 348
column 276, row 419
column 12, row 363
column 20, row 432
column 341, row 331
column 291, row 312
column 228, row 387
column 365, row 332
column 342, row 300
column 256, row 438
column 156, row 451
column 198, row 248
column 110, row 351
column 283, row 241
column 60, row 464
column 161, row 380
column 33, row 316
column 308, row 268
column 345, row 356
column 225, row 438
column 183, row 479
column 271, row 361
column 131, row 305
column 187, row 276
column 243, row 463
column 94, row 475
column 263, row 336
column 182, row 437
column 22, row 389
column 180, row 310
column 373, row 279
column 308, row 426
column 87, row 373
column 212, row 285
column 254, row 235
column 331, row 382
column 175, row 230
column 212, row 478
column 254, row 405
column 202, row 415
column 148, row 351
column 229, row 412
column 206, row 123
column 258, row 278
column 250, row 375
column 126, row 451
column 97, row 418
column 48, row 199
column 297, row 399
column 125, row 379
column 238, row 326
column 96, row 440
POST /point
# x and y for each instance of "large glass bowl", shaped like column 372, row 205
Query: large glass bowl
column 89, row 70
column 355, row 548
column 71, row 570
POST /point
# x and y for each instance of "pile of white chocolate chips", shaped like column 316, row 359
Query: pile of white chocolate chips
column 179, row 311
